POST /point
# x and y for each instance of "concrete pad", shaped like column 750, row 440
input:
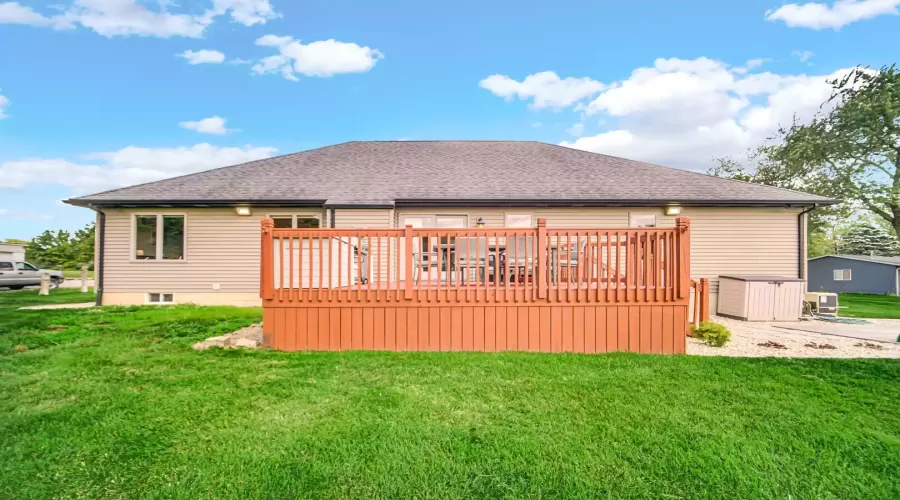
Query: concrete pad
column 80, row 305
column 876, row 332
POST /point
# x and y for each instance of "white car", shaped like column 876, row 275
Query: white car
column 18, row 274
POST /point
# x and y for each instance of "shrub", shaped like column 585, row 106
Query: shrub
column 713, row 334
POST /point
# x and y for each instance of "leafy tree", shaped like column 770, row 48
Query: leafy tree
column 853, row 151
column 15, row 241
column 57, row 249
column 868, row 239
column 763, row 167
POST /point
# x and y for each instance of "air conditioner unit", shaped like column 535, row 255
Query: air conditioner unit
column 822, row 303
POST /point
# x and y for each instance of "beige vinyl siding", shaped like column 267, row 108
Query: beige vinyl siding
column 221, row 248
column 750, row 241
column 349, row 218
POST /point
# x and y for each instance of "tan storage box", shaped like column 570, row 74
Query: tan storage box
column 761, row 298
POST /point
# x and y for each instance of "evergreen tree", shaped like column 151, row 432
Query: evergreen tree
column 868, row 239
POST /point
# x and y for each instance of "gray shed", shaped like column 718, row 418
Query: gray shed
column 854, row 274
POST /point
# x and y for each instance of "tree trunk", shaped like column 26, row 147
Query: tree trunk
column 895, row 196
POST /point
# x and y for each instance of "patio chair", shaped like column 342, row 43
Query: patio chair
column 473, row 258
column 519, row 258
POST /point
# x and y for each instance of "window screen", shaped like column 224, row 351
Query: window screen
column 283, row 222
column 294, row 222
column 307, row 222
column 145, row 237
column 173, row 237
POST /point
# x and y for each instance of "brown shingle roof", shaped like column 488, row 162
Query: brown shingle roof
column 443, row 172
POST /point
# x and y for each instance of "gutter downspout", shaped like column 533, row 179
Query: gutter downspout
column 800, row 263
column 331, row 217
column 98, row 272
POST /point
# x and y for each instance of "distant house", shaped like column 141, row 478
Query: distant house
column 12, row 251
column 854, row 274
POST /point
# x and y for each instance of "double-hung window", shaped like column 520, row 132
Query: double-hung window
column 295, row 222
column 159, row 237
column 842, row 275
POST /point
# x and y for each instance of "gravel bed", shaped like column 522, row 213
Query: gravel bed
column 746, row 337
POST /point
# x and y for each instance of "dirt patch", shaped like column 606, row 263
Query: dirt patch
column 249, row 337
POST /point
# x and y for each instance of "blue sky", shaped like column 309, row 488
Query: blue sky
column 99, row 93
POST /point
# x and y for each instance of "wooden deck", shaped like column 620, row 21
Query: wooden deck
column 547, row 290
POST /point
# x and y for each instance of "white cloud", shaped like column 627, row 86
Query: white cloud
column 803, row 55
column 536, row 124
column 837, row 15
column 202, row 56
column 321, row 58
column 211, row 125
column 132, row 17
column 576, row 130
column 246, row 12
column 16, row 13
column 749, row 66
column 685, row 112
column 4, row 102
column 545, row 88
column 125, row 167
column 238, row 60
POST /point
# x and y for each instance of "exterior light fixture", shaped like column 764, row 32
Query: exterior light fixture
column 673, row 210
column 243, row 210
column 479, row 222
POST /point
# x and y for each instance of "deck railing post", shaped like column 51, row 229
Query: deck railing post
column 542, row 264
column 704, row 299
column 266, row 271
column 408, row 255
column 684, row 256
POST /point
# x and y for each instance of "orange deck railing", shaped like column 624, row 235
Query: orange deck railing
column 647, row 265
column 643, row 274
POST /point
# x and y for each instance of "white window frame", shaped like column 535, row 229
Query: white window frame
column 295, row 216
column 159, row 237
column 531, row 226
column 842, row 275
column 148, row 302
column 632, row 215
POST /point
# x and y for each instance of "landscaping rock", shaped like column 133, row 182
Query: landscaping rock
column 245, row 338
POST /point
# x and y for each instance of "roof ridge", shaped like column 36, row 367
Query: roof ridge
column 888, row 260
column 414, row 171
column 794, row 191
column 441, row 140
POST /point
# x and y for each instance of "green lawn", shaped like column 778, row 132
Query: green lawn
column 116, row 404
column 76, row 274
column 860, row 305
